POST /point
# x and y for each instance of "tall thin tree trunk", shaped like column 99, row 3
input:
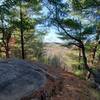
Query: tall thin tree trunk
column 94, row 52
column 84, row 58
column 85, row 62
column 79, row 57
column 21, row 30
column 7, row 50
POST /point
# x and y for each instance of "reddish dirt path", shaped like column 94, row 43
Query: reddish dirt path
column 66, row 87
column 73, row 88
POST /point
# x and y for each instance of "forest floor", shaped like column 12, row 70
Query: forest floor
column 73, row 88
column 67, row 86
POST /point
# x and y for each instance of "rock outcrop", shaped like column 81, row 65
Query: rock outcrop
column 19, row 78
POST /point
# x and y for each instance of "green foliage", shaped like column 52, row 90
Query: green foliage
column 11, row 12
column 88, row 31
column 88, row 46
column 71, row 23
column 77, row 4
column 91, row 3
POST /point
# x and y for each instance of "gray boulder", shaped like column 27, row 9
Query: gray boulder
column 19, row 78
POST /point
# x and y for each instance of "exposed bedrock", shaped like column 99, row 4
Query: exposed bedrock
column 19, row 78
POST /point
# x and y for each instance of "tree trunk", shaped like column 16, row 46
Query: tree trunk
column 7, row 51
column 85, row 58
column 21, row 30
column 79, row 57
column 94, row 52
column 85, row 62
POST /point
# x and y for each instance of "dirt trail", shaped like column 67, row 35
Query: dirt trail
column 73, row 88
column 66, row 87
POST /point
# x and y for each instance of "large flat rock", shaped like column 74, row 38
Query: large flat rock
column 19, row 78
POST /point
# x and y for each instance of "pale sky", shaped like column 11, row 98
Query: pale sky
column 52, row 37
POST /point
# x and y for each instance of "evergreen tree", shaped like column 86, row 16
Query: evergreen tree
column 70, row 25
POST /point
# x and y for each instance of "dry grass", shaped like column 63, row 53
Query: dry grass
column 68, row 57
